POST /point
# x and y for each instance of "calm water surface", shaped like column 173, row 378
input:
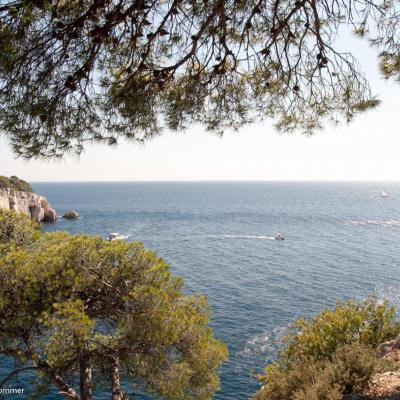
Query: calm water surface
column 342, row 241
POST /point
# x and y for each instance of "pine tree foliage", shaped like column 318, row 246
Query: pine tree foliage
column 73, row 72
column 86, row 313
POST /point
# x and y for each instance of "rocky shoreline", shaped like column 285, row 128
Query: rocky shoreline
column 34, row 205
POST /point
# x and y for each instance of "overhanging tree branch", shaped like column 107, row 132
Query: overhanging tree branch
column 107, row 69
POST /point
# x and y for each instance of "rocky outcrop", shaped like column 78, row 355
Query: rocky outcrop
column 31, row 204
column 384, row 385
column 387, row 349
column 71, row 214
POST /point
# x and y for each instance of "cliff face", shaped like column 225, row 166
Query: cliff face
column 31, row 204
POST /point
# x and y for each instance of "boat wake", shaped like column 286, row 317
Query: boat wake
column 259, row 237
column 378, row 222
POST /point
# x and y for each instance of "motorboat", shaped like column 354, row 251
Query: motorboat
column 116, row 236
column 279, row 236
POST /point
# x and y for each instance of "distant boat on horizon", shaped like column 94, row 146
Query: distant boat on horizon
column 384, row 193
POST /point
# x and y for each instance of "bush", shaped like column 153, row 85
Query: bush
column 367, row 322
column 332, row 354
column 17, row 229
column 311, row 379
column 5, row 182
column 14, row 183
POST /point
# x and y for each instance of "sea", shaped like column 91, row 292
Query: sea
column 341, row 242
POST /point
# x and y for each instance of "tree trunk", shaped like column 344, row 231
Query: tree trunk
column 56, row 379
column 115, row 379
column 48, row 371
column 65, row 390
column 85, row 375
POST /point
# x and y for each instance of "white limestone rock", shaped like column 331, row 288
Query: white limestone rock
column 31, row 204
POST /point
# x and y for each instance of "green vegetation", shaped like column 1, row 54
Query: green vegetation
column 74, row 72
column 368, row 323
column 80, row 308
column 331, row 355
column 16, row 230
column 14, row 183
column 308, row 378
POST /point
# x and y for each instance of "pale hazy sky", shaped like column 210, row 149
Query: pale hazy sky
column 367, row 149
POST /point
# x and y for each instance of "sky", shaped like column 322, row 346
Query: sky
column 366, row 150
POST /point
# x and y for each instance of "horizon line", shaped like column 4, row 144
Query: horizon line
column 224, row 181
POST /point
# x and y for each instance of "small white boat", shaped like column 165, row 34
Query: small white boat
column 279, row 236
column 116, row 236
column 384, row 193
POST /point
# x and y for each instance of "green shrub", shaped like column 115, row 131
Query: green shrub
column 367, row 322
column 332, row 354
column 16, row 229
column 14, row 183
column 5, row 182
column 308, row 378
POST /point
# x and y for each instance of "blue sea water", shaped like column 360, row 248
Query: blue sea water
column 342, row 241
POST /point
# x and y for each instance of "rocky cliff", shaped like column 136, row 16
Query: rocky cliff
column 31, row 204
